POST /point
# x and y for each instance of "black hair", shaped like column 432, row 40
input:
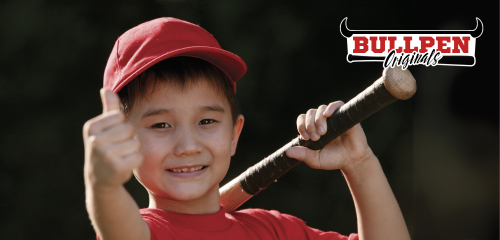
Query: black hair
column 183, row 72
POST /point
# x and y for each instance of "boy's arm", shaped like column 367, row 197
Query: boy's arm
column 111, row 153
column 377, row 210
column 378, row 213
column 115, row 215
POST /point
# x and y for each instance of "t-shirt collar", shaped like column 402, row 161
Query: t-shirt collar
column 213, row 222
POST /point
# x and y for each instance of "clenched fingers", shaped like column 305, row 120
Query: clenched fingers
column 102, row 122
column 310, row 124
column 301, row 127
column 320, row 120
column 313, row 124
column 115, row 134
column 332, row 107
column 122, row 149
column 133, row 160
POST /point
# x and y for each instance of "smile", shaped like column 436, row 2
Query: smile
column 185, row 170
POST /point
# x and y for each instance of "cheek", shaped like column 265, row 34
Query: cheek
column 221, row 150
column 221, row 143
column 152, row 146
column 153, row 152
column 149, row 148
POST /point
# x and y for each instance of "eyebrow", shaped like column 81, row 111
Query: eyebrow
column 214, row 107
column 156, row 111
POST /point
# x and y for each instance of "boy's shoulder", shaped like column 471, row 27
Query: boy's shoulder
column 287, row 226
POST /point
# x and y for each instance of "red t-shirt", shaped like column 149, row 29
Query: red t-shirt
column 242, row 224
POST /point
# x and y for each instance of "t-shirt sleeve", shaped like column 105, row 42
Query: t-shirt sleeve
column 155, row 225
column 290, row 227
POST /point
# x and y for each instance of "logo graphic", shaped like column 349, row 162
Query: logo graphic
column 412, row 47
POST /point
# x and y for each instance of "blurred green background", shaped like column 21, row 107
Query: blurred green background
column 439, row 150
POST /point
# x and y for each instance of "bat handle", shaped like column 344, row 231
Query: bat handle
column 393, row 85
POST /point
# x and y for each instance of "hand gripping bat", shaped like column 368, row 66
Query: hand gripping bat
column 393, row 85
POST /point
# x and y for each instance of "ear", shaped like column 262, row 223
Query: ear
column 238, row 126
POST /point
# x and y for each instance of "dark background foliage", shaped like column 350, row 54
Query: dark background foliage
column 439, row 149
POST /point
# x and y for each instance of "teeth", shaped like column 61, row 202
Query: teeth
column 186, row 169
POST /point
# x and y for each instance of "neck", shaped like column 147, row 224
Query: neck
column 209, row 203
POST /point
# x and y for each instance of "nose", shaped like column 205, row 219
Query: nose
column 187, row 142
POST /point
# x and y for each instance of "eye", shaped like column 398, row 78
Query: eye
column 207, row 121
column 161, row 125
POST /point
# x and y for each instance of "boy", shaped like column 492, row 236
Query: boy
column 175, row 126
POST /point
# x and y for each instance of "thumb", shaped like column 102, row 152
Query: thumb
column 110, row 100
column 302, row 154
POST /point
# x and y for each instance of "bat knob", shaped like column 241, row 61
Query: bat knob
column 400, row 83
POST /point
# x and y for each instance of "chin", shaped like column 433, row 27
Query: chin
column 191, row 193
column 185, row 196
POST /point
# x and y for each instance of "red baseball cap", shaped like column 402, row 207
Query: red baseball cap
column 151, row 42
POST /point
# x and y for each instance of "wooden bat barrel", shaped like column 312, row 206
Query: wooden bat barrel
column 394, row 84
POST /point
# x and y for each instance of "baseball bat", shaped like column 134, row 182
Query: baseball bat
column 394, row 84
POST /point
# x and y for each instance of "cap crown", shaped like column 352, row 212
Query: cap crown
column 151, row 42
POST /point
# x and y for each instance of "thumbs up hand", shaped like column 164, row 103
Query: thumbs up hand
column 110, row 101
column 111, row 151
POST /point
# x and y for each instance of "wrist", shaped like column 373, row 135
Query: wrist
column 100, row 188
column 363, row 166
column 97, row 183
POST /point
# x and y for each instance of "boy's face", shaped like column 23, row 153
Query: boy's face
column 187, row 140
